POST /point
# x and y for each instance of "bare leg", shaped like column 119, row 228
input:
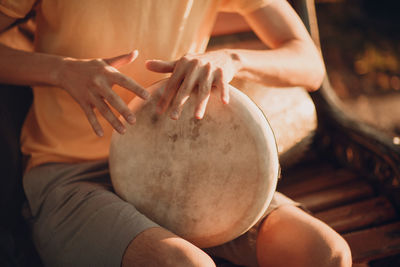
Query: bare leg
column 291, row 237
column 159, row 247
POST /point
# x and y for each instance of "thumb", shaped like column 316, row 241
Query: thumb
column 160, row 65
column 121, row 60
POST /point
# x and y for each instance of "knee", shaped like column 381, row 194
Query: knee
column 328, row 250
column 186, row 257
column 291, row 237
column 325, row 252
column 339, row 254
column 159, row 247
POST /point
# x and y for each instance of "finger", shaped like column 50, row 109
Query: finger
column 221, row 85
column 115, row 101
column 106, row 112
column 183, row 94
column 130, row 84
column 160, row 65
column 172, row 86
column 93, row 120
column 118, row 61
column 204, row 96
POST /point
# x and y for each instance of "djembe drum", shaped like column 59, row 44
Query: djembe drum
column 207, row 180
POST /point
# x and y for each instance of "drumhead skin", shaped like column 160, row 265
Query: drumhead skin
column 207, row 180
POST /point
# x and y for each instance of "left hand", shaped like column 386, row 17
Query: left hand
column 213, row 69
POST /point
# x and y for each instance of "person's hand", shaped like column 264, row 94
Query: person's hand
column 202, row 72
column 90, row 83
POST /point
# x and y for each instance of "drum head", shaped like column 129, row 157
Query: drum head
column 207, row 180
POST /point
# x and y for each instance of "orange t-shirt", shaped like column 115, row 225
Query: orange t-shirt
column 56, row 128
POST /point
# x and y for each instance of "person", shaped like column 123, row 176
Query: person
column 90, row 59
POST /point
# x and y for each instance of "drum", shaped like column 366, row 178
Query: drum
column 291, row 114
column 207, row 180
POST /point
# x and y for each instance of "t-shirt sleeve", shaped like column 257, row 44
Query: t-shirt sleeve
column 16, row 8
column 243, row 6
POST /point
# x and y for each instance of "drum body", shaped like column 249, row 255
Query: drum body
column 291, row 114
column 207, row 180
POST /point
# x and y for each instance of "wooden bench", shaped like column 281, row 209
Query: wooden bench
column 347, row 202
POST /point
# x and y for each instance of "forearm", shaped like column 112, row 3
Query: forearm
column 293, row 64
column 27, row 68
column 88, row 81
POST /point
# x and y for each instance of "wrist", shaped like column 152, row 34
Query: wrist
column 58, row 71
column 235, row 58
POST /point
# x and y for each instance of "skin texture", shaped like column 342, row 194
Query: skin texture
column 291, row 237
column 203, row 71
column 159, row 247
column 287, row 237
column 89, row 82
column 292, row 60
column 94, row 89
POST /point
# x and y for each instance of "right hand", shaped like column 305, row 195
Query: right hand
column 90, row 83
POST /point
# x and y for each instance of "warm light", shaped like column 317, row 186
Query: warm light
column 361, row 67
column 395, row 82
column 396, row 140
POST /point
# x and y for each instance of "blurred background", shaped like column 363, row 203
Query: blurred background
column 360, row 42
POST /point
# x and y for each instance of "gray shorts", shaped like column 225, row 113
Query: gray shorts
column 78, row 220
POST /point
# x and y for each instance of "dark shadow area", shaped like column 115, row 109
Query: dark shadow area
column 361, row 48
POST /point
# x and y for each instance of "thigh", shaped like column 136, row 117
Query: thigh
column 291, row 237
column 160, row 247
column 242, row 250
column 77, row 220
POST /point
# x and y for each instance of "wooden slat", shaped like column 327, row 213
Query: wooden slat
column 336, row 196
column 318, row 182
column 360, row 265
column 359, row 215
column 374, row 243
column 223, row 263
column 306, row 171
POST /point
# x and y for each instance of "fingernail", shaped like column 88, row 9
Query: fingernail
column 174, row 115
column 135, row 53
column 198, row 116
column 121, row 130
column 226, row 100
column 131, row 119
column 146, row 95
column 99, row 133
